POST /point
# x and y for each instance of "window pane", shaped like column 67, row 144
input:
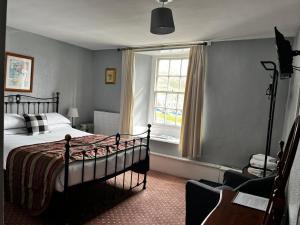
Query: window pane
column 180, row 101
column 170, row 117
column 162, row 84
column 175, row 67
column 163, row 67
column 182, row 84
column 159, row 115
column 184, row 67
column 160, row 100
column 171, row 101
column 169, row 90
column 179, row 118
column 174, row 84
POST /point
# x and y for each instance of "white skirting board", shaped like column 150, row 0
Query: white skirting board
column 106, row 123
column 186, row 168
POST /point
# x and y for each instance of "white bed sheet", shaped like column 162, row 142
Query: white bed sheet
column 75, row 169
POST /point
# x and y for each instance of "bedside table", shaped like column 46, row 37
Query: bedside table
column 87, row 127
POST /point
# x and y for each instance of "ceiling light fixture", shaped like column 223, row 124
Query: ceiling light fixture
column 162, row 19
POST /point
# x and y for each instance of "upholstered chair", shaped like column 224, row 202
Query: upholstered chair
column 202, row 196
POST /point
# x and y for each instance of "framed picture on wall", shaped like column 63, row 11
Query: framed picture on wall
column 110, row 75
column 18, row 72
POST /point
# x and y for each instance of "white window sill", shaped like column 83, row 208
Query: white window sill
column 165, row 138
column 158, row 135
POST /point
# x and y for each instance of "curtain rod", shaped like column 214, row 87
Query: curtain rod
column 158, row 47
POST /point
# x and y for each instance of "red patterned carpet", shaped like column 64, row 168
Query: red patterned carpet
column 163, row 202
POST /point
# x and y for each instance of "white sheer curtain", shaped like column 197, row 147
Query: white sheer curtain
column 127, row 100
column 190, row 135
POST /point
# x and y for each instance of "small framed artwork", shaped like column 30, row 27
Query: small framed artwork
column 110, row 75
column 18, row 72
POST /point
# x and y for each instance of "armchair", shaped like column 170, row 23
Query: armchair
column 202, row 198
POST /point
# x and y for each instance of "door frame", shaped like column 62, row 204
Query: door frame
column 3, row 10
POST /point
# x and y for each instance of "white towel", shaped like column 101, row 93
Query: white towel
column 260, row 164
column 261, row 157
column 257, row 172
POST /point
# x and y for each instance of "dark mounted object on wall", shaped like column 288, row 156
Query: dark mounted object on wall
column 285, row 55
column 162, row 20
column 271, row 92
column 286, row 68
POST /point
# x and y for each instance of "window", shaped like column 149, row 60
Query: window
column 160, row 78
column 168, row 93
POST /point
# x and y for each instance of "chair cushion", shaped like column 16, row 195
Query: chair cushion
column 224, row 187
column 210, row 183
column 215, row 185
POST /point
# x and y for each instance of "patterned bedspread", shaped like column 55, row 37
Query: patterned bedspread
column 32, row 169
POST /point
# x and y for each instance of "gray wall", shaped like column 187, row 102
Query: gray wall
column 143, row 68
column 293, row 94
column 293, row 191
column 236, row 108
column 58, row 67
column 106, row 96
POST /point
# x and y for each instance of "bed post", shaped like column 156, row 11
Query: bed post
column 57, row 101
column 66, row 181
column 147, row 155
column 18, row 100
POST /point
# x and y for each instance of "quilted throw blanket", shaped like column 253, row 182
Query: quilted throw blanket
column 32, row 169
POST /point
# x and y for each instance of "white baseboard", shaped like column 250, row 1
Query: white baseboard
column 189, row 169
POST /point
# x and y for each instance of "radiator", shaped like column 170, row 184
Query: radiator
column 107, row 123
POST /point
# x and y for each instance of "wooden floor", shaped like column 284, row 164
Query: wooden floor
column 163, row 202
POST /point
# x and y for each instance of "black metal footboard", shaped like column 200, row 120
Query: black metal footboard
column 130, row 143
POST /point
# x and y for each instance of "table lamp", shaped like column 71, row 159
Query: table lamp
column 73, row 113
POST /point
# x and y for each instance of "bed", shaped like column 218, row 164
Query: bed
column 73, row 157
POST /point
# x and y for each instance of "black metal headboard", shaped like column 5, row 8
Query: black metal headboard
column 29, row 104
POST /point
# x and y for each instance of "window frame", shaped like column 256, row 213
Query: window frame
column 174, row 129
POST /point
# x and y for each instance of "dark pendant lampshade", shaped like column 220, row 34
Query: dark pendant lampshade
column 162, row 21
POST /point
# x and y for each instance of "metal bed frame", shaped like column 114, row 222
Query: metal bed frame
column 32, row 104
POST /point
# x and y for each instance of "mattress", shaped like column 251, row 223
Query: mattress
column 12, row 141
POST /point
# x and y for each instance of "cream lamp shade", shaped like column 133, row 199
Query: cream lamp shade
column 73, row 112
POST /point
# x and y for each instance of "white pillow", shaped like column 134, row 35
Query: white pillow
column 13, row 121
column 59, row 126
column 56, row 118
column 15, row 131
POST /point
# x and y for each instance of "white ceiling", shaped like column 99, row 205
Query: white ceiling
column 103, row 24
